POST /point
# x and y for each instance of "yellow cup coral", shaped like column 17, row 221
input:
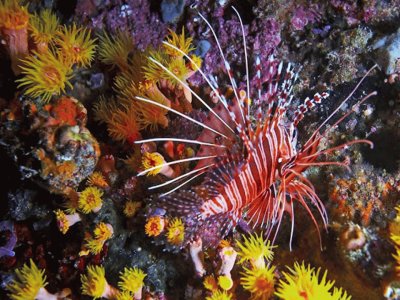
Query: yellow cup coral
column 27, row 283
column 303, row 283
column 102, row 233
column 123, row 126
column 90, row 200
column 219, row 295
column 95, row 285
column 259, row 282
column 45, row 75
column 255, row 249
column 180, row 42
column 154, row 225
column 115, row 50
column 131, row 207
column 131, row 280
column 176, row 232
column 210, row 283
column 97, row 179
column 154, row 163
column 76, row 46
column 65, row 221
column 43, row 28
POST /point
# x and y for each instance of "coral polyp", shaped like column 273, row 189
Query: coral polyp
column 259, row 281
column 131, row 280
column 115, row 50
column 13, row 15
column 94, row 284
column 303, row 282
column 90, row 199
column 43, row 27
column 45, row 75
column 175, row 232
column 256, row 250
column 29, row 280
column 75, row 45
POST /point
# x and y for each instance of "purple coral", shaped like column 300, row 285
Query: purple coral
column 263, row 36
column 354, row 11
column 133, row 16
column 303, row 16
column 7, row 249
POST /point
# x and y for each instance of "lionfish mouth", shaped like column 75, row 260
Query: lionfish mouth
column 261, row 179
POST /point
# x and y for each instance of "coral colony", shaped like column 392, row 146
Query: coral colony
column 199, row 150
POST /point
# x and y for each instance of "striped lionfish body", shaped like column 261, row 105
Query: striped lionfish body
column 249, row 154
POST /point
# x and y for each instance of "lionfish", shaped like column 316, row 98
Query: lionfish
column 254, row 169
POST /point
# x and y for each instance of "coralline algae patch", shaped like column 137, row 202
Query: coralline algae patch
column 119, row 123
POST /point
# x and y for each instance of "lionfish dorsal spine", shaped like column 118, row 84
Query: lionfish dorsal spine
column 186, row 86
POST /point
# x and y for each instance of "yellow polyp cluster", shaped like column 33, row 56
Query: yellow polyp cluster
column 175, row 231
column 97, row 179
column 62, row 221
column 303, row 283
column 259, row 282
column 75, row 45
column 140, row 77
column 131, row 208
column 196, row 62
column 154, row 225
column 152, row 71
column 43, row 28
column 123, row 296
column 174, row 61
column 150, row 160
column 13, row 15
column 71, row 201
column 102, row 233
column 178, row 68
column 148, row 116
column 27, row 283
column 47, row 70
column 123, row 126
column 103, row 109
column 45, row 75
column 210, row 283
column 394, row 229
column 94, row 283
column 131, row 280
column 115, row 50
column 255, row 249
column 219, row 295
column 179, row 41
column 90, row 199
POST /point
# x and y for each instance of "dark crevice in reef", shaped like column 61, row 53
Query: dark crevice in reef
column 66, row 7
column 7, row 85
column 386, row 152
column 10, row 179
column 245, row 8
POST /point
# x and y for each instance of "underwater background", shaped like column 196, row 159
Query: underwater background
column 138, row 162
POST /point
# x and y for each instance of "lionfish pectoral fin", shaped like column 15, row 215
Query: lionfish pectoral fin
column 225, row 222
column 182, row 203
